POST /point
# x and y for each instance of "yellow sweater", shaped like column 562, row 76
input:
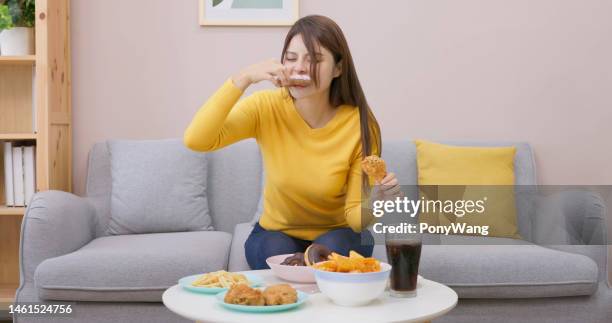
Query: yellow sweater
column 313, row 176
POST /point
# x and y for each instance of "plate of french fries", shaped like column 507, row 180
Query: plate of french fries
column 218, row 281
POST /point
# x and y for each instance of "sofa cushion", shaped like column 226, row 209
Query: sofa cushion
column 260, row 204
column 469, row 174
column 237, row 258
column 157, row 186
column 131, row 268
column 504, row 268
column 234, row 183
column 400, row 156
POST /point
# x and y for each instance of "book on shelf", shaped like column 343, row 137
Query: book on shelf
column 20, row 173
column 19, row 194
column 28, row 173
column 8, row 174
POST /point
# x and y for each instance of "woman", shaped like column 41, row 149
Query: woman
column 312, row 139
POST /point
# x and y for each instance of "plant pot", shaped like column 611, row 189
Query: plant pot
column 17, row 41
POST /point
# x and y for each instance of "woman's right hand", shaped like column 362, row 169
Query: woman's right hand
column 271, row 70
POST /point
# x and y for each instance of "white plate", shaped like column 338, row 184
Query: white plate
column 186, row 283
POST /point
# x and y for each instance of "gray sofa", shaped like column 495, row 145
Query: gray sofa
column 65, row 255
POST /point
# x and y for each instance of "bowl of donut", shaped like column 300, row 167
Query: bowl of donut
column 297, row 267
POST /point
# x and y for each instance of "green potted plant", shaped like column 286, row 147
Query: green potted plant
column 17, row 27
column 6, row 21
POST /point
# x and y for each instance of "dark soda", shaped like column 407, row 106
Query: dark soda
column 404, row 256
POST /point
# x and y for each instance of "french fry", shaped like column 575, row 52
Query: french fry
column 354, row 263
column 328, row 265
column 355, row 254
column 220, row 278
column 344, row 265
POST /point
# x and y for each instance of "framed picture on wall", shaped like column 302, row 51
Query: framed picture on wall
column 248, row 12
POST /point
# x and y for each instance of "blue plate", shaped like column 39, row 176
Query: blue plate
column 302, row 297
column 186, row 282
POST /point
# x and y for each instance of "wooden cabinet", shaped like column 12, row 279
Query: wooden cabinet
column 35, row 107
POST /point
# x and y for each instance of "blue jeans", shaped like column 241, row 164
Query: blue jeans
column 262, row 244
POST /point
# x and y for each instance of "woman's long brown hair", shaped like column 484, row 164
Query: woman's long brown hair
column 344, row 89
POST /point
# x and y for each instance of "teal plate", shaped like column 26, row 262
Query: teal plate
column 186, row 282
column 302, row 297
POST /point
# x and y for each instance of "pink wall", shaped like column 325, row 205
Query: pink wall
column 535, row 71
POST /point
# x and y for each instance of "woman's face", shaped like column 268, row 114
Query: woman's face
column 298, row 60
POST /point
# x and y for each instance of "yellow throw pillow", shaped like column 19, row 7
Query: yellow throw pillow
column 469, row 174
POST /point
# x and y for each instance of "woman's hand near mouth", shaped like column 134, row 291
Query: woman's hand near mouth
column 270, row 70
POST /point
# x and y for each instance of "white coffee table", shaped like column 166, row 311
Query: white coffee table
column 433, row 300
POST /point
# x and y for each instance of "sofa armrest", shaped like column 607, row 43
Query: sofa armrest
column 571, row 218
column 585, row 217
column 574, row 221
column 55, row 223
column 237, row 258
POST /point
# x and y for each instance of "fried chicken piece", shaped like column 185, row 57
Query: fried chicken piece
column 280, row 294
column 374, row 167
column 241, row 294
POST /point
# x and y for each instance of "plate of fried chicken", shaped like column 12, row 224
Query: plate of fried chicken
column 274, row 298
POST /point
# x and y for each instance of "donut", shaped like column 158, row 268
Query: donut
column 296, row 259
column 316, row 253
column 374, row 167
